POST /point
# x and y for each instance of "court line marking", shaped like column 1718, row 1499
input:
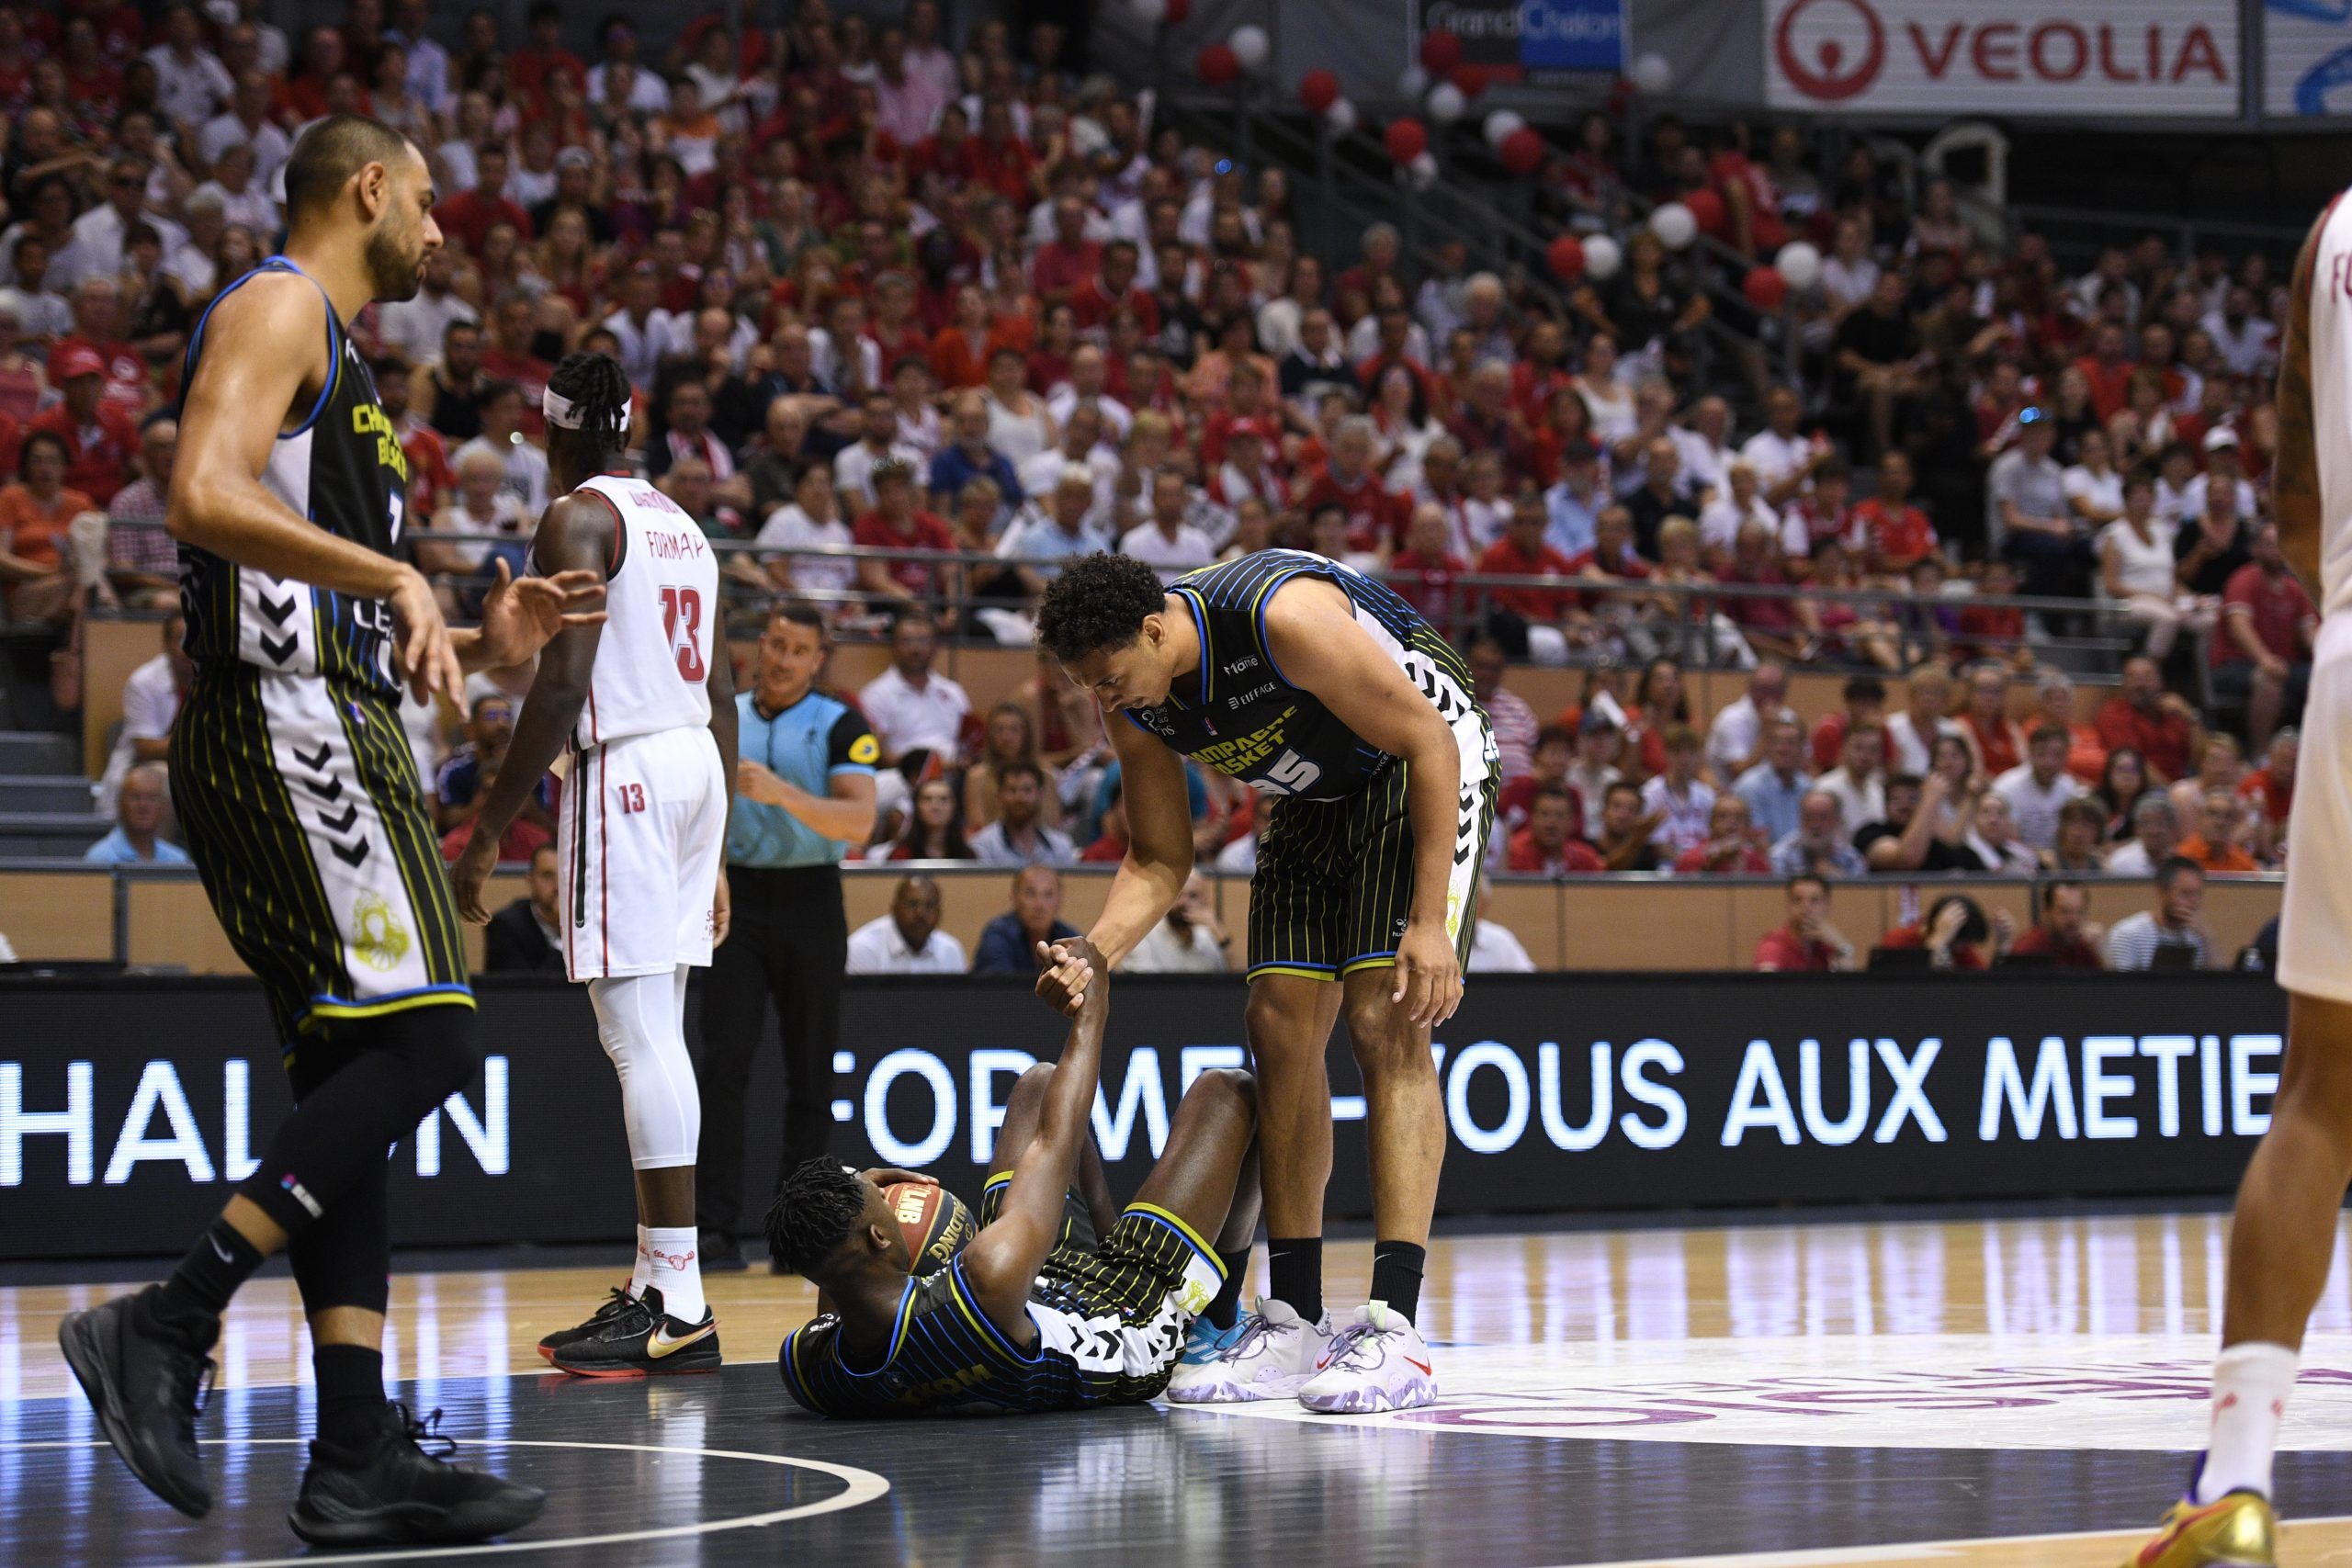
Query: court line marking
column 1906, row 1551
column 861, row 1486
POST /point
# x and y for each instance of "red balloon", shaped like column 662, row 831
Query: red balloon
column 1708, row 208
column 1765, row 288
column 1523, row 150
column 1441, row 52
column 1218, row 65
column 1471, row 79
column 1177, row 11
column 1318, row 90
column 1407, row 139
column 1567, row 257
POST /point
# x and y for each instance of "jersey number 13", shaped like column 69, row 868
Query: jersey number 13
column 682, row 612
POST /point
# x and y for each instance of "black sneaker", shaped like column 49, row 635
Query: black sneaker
column 146, row 1381
column 719, row 1254
column 614, row 1305
column 644, row 1342
column 393, row 1492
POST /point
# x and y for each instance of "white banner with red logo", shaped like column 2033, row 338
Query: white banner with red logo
column 1994, row 57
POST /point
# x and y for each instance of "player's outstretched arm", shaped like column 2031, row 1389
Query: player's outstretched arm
column 265, row 349
column 2294, row 482
column 520, row 617
column 1312, row 632
column 574, row 539
column 1151, row 874
column 1002, row 1261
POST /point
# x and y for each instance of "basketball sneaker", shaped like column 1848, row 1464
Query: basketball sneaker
column 2239, row 1531
column 1378, row 1362
column 399, row 1489
column 619, row 1302
column 146, row 1379
column 643, row 1341
column 1267, row 1354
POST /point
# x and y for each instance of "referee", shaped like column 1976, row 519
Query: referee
column 804, row 796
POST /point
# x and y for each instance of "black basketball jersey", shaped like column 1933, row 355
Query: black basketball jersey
column 1238, row 713
column 344, row 469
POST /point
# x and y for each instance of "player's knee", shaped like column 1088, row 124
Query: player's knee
column 1276, row 1015
column 1031, row 1085
column 1237, row 1086
column 1384, row 1038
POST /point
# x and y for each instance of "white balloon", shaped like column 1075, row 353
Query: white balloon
column 1601, row 257
column 1422, row 171
column 1446, row 103
column 1799, row 264
column 1150, row 13
column 1501, row 124
column 1652, row 72
column 1249, row 46
column 1674, row 224
column 1413, row 83
column 1340, row 117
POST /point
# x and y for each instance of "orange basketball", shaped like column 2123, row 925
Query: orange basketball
column 935, row 1221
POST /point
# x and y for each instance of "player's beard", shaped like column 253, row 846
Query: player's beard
column 395, row 271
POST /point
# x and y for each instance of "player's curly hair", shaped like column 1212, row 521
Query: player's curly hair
column 598, row 386
column 1097, row 602
column 814, row 1211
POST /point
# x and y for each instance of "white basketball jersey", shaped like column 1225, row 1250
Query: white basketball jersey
column 661, row 612
column 2331, row 335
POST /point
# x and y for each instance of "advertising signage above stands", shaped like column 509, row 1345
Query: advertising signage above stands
column 1535, row 42
column 2108, row 59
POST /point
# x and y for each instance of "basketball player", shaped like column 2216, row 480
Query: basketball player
column 645, row 706
column 1328, row 693
column 1032, row 1315
column 304, row 813
column 2284, row 1233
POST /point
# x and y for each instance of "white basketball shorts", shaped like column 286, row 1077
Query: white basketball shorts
column 641, row 831
column 2315, row 926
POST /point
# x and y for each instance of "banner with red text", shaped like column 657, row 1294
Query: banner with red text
column 2107, row 58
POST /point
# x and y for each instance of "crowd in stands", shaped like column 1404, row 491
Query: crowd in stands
column 946, row 297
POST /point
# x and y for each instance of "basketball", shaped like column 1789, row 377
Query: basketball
column 936, row 1222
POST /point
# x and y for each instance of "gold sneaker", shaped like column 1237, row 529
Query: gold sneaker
column 2239, row 1531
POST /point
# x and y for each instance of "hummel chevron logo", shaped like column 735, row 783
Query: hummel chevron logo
column 276, row 609
column 330, row 789
column 343, row 824
column 350, row 854
column 317, row 764
column 280, row 649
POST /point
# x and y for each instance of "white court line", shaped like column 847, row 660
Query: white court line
column 864, row 1486
column 1903, row 1551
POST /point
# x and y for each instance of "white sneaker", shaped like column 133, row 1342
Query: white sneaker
column 1379, row 1361
column 1270, row 1354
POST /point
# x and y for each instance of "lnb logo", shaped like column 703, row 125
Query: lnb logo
column 1830, row 49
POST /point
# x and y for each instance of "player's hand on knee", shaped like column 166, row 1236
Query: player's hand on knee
column 1428, row 976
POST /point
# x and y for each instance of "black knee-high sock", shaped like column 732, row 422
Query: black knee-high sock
column 351, row 1394
column 197, row 1291
column 1295, row 1274
column 1227, row 1308
column 1396, row 1276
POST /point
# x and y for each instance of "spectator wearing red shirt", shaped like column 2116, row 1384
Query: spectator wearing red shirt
column 1001, row 160
column 1348, row 481
column 1612, row 558
column 2270, row 788
column 1775, row 628
column 1807, row 942
column 1999, row 739
column 100, row 438
column 1067, row 260
column 1865, row 700
column 1426, row 568
column 528, row 68
column 2109, row 368
column 2061, row 934
column 898, row 522
column 1896, row 534
column 2153, row 722
column 1522, row 552
column 1548, row 846
column 1111, row 288
column 2262, row 655
column 948, row 151
column 1955, row 932
column 467, row 215
column 1555, row 749
column 1729, row 850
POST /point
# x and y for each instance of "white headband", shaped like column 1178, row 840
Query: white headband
column 562, row 412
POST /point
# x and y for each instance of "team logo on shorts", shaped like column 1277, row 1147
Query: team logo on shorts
column 379, row 939
column 1453, row 915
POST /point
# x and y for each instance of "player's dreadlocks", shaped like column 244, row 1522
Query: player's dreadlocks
column 1097, row 603
column 814, row 1211
column 598, row 391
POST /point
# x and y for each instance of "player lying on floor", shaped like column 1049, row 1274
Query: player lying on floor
column 1034, row 1314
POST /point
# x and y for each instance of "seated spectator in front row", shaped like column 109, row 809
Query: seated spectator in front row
column 2061, row 934
column 1008, row 942
column 1019, row 836
column 1730, row 847
column 2170, row 922
column 524, row 937
column 907, row 940
column 137, row 839
column 1819, row 846
column 1807, row 942
column 1495, row 949
column 1955, row 933
column 1189, row 941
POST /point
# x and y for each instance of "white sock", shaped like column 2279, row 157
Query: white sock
column 675, row 1271
column 2251, row 1383
column 642, row 1275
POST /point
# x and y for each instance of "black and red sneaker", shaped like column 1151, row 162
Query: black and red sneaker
column 644, row 1341
column 618, row 1303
